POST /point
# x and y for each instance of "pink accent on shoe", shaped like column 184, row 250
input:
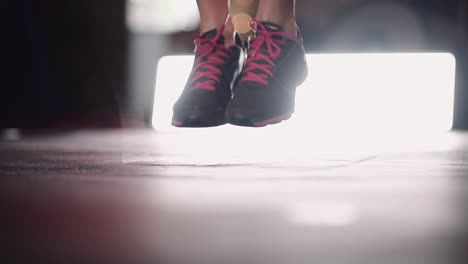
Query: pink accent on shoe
column 209, row 54
column 176, row 123
column 263, row 37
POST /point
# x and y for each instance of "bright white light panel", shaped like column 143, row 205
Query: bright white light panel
column 351, row 92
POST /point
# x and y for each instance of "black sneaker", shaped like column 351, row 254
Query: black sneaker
column 274, row 68
column 208, row 90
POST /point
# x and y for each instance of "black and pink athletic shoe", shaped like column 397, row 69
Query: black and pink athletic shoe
column 275, row 66
column 208, row 90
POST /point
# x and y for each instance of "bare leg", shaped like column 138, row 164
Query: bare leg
column 281, row 12
column 213, row 14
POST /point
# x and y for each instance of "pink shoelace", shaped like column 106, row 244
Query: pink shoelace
column 255, row 54
column 209, row 56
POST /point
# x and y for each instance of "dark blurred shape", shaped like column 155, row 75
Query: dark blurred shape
column 62, row 63
column 380, row 25
column 376, row 26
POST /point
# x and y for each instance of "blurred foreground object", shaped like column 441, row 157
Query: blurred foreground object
column 242, row 12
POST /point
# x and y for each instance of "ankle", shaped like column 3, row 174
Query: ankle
column 290, row 27
column 228, row 34
column 207, row 27
column 288, row 24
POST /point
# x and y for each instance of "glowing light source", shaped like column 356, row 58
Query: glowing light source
column 161, row 16
column 355, row 92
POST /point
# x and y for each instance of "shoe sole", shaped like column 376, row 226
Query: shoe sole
column 248, row 123
column 195, row 124
column 200, row 122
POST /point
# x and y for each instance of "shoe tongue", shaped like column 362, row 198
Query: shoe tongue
column 238, row 40
column 211, row 35
column 272, row 27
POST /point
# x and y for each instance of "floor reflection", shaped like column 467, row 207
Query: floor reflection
column 144, row 197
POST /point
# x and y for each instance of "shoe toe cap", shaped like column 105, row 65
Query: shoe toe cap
column 237, row 116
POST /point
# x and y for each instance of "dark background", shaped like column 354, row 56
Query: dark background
column 62, row 62
column 65, row 64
